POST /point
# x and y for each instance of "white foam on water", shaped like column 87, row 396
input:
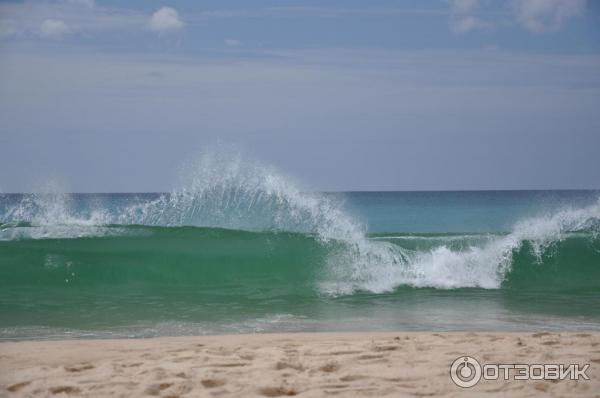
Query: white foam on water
column 380, row 268
column 52, row 214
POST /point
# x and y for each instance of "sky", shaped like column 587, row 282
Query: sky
column 114, row 96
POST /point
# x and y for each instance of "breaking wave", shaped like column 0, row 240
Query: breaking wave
column 226, row 192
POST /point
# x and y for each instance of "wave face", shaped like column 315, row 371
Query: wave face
column 202, row 257
column 239, row 235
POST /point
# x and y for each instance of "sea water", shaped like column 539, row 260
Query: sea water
column 238, row 247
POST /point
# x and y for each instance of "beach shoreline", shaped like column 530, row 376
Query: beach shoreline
column 285, row 364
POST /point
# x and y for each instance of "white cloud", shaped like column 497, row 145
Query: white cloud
column 466, row 23
column 463, row 18
column 539, row 16
column 53, row 29
column 165, row 20
column 44, row 19
column 232, row 42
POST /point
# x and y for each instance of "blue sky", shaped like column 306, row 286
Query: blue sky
column 344, row 95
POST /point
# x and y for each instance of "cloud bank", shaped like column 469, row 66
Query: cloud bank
column 165, row 20
column 540, row 16
column 463, row 18
column 53, row 29
column 537, row 16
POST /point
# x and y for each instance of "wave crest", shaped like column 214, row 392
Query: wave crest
column 379, row 268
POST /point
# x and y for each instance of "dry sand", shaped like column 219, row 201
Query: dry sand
column 307, row 365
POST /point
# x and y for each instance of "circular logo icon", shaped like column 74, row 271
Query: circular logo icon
column 465, row 372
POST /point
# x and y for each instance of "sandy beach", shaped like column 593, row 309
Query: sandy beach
column 307, row 365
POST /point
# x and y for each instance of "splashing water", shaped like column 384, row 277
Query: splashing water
column 227, row 191
column 483, row 266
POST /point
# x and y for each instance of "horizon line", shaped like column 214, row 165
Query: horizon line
column 327, row 191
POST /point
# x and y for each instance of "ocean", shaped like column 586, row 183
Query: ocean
column 243, row 249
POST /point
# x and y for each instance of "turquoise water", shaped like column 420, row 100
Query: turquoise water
column 245, row 250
